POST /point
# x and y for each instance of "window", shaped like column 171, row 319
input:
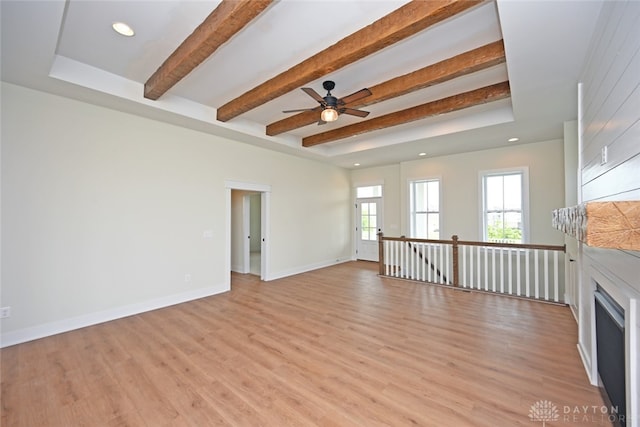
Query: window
column 370, row 191
column 369, row 217
column 425, row 209
column 504, row 206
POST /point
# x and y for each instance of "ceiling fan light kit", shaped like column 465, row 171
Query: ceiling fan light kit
column 329, row 114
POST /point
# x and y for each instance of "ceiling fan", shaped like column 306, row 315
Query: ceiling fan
column 331, row 106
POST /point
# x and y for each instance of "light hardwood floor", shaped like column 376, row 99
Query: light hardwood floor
column 334, row 347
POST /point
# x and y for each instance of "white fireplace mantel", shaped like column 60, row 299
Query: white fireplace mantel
column 617, row 273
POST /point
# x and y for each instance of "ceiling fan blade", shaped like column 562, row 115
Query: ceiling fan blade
column 298, row 110
column 362, row 93
column 312, row 93
column 354, row 112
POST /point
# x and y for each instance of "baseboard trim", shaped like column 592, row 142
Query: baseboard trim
column 238, row 269
column 574, row 312
column 307, row 268
column 586, row 363
column 70, row 324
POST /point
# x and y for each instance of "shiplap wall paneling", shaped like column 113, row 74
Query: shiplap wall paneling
column 611, row 106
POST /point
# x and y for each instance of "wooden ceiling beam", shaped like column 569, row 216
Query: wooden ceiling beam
column 434, row 108
column 398, row 25
column 448, row 69
column 223, row 23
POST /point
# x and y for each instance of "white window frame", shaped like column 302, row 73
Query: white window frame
column 524, row 170
column 410, row 197
column 377, row 184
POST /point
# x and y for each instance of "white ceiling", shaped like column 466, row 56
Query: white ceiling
column 69, row 48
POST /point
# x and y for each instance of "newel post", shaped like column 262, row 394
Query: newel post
column 380, row 254
column 456, row 281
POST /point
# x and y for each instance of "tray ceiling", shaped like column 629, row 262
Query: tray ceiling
column 294, row 43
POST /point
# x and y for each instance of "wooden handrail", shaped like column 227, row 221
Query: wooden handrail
column 561, row 248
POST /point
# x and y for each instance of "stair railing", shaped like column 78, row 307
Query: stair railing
column 523, row 270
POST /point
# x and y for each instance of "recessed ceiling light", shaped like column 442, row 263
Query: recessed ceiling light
column 422, row 154
column 122, row 28
column 513, row 139
column 356, row 164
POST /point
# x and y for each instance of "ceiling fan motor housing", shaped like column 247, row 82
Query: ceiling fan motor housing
column 331, row 101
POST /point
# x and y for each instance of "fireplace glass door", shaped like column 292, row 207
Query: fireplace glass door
column 610, row 345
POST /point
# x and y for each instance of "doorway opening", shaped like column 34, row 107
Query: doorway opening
column 247, row 231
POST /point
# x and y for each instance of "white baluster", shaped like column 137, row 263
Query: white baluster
column 556, row 286
column 546, row 275
column 501, row 270
column 510, row 271
column 386, row 257
column 536, row 265
column 464, row 266
column 518, row 282
column 493, row 268
column 527, row 273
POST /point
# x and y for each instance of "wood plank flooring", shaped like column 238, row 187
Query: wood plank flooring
column 334, row 347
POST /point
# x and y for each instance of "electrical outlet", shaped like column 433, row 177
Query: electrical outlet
column 604, row 155
column 5, row 312
column 187, row 278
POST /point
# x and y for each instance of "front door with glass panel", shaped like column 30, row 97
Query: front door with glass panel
column 369, row 224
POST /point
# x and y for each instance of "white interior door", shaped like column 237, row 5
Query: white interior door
column 246, row 231
column 253, row 242
column 368, row 225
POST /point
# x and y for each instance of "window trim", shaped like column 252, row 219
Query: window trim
column 524, row 170
column 375, row 184
column 411, row 212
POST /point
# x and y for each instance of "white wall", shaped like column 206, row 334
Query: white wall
column 103, row 212
column 610, row 106
column 459, row 176
column 460, row 187
column 389, row 178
